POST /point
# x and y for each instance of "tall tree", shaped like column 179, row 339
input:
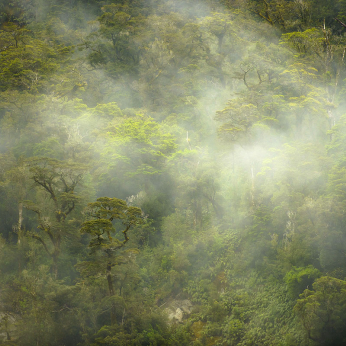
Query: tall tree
column 57, row 185
column 101, row 215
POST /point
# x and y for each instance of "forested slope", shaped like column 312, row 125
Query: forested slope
column 172, row 172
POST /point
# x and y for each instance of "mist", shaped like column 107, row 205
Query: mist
column 172, row 173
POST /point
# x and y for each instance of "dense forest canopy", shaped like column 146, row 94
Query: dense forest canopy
column 172, row 172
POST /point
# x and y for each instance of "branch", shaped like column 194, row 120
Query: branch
column 259, row 77
column 71, row 187
column 267, row 15
column 344, row 25
column 155, row 77
column 48, row 187
column 42, row 242
column 245, row 73
column 63, row 308
column 34, row 209
column 67, row 188
column 268, row 19
column 50, row 234
column 217, row 207
column 41, row 225
column 124, row 241
column 125, row 234
column 69, row 209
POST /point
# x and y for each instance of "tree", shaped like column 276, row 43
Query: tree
column 322, row 311
column 57, row 199
column 136, row 152
column 101, row 214
column 27, row 62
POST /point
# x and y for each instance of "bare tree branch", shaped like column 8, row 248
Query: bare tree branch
column 338, row 20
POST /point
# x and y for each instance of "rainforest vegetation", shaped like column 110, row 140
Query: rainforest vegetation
column 172, row 172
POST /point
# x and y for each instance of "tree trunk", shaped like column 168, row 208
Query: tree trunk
column 111, row 290
column 19, row 232
column 55, row 265
column 109, row 279
column 20, row 221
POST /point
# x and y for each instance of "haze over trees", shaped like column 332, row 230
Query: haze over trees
column 172, row 172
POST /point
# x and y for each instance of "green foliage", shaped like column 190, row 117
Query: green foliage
column 41, row 309
column 26, row 61
column 217, row 128
column 322, row 311
column 101, row 214
column 298, row 279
